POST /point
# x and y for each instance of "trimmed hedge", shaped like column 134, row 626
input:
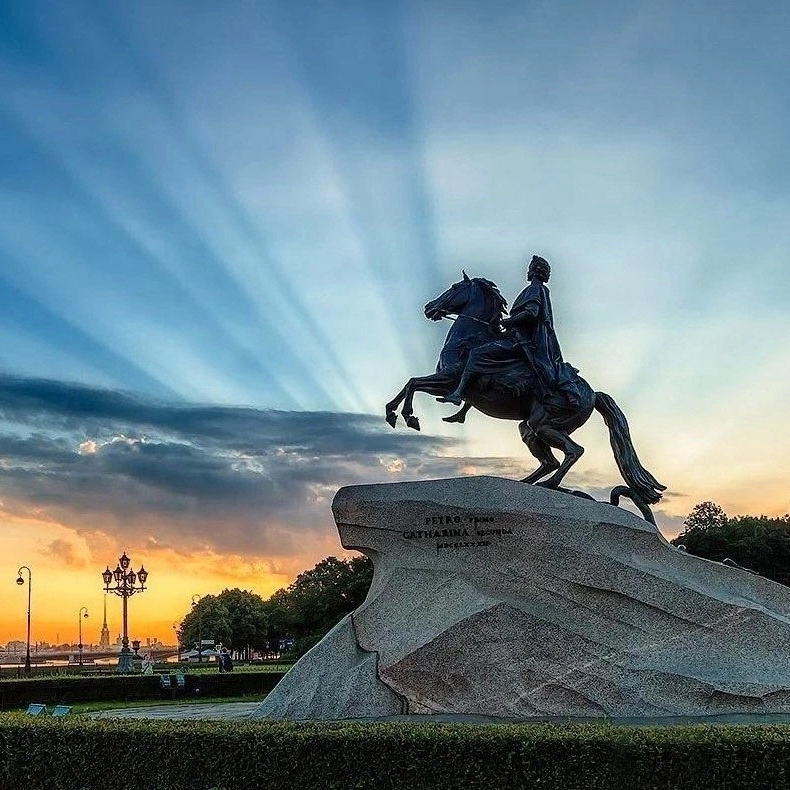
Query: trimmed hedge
column 158, row 755
column 54, row 690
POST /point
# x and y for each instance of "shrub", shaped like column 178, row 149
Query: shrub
column 169, row 755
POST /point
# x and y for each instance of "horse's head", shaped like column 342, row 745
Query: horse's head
column 472, row 296
column 452, row 300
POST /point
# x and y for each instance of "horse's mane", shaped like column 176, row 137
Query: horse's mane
column 492, row 289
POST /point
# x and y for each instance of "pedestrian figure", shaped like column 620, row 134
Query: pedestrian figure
column 227, row 663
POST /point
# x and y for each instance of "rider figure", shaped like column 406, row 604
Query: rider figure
column 529, row 334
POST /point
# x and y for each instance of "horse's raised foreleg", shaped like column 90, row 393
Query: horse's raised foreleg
column 390, row 414
column 541, row 451
column 435, row 384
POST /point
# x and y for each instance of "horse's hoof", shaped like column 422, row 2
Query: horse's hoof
column 412, row 422
column 391, row 418
column 547, row 484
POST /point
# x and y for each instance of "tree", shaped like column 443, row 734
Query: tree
column 209, row 618
column 705, row 515
column 318, row 599
column 236, row 618
column 305, row 610
column 248, row 620
column 704, row 534
column 759, row 543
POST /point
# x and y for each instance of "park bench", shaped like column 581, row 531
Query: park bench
column 38, row 709
column 167, row 683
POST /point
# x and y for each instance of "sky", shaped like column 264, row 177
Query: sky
column 219, row 223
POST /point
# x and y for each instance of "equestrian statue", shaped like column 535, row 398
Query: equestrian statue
column 512, row 369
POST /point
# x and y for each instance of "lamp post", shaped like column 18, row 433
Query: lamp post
column 125, row 586
column 20, row 580
column 79, row 623
column 178, row 643
column 195, row 599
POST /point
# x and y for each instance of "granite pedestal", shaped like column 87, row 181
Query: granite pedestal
column 495, row 598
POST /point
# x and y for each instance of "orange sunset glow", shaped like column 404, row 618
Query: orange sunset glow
column 67, row 575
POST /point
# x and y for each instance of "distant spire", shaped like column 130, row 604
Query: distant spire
column 104, row 639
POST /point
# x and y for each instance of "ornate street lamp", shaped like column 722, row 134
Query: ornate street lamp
column 20, row 580
column 125, row 586
column 83, row 613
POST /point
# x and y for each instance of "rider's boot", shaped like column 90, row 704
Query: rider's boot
column 457, row 397
column 459, row 416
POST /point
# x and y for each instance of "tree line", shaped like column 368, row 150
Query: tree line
column 303, row 612
column 759, row 543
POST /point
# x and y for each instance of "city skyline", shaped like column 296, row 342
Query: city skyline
column 219, row 226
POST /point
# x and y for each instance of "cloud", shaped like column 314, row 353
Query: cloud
column 670, row 526
column 66, row 553
column 199, row 477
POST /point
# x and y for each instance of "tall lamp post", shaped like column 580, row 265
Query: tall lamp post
column 125, row 586
column 20, row 580
column 79, row 623
column 195, row 599
column 178, row 643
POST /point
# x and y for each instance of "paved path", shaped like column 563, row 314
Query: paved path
column 220, row 710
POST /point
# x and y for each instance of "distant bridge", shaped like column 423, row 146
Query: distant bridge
column 88, row 656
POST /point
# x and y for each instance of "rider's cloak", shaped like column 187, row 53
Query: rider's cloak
column 535, row 338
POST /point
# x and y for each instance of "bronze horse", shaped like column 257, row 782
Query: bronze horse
column 511, row 394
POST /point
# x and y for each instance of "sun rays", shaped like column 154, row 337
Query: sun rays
column 249, row 203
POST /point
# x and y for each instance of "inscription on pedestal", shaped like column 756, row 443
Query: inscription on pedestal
column 471, row 530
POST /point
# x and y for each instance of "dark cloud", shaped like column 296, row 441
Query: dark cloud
column 76, row 408
column 230, row 479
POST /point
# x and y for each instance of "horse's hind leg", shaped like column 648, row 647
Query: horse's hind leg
column 572, row 451
column 541, row 451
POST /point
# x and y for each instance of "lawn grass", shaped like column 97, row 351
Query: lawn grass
column 95, row 707
column 211, row 669
column 159, row 669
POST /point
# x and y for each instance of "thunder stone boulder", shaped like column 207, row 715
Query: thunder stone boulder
column 492, row 597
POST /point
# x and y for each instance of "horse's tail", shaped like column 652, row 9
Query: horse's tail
column 639, row 480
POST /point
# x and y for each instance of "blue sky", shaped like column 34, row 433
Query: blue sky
column 248, row 203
